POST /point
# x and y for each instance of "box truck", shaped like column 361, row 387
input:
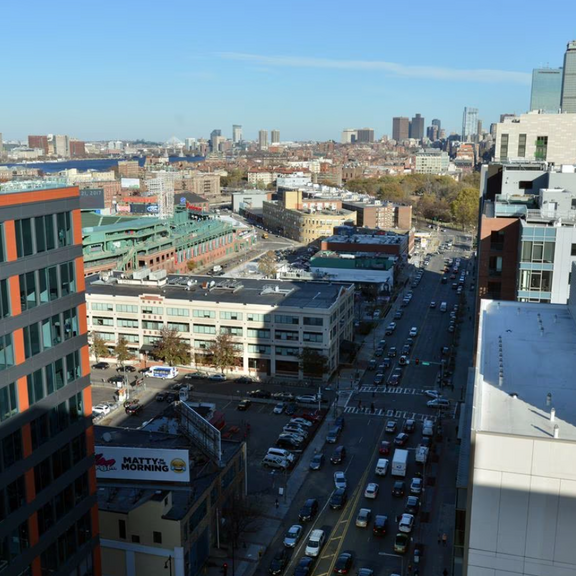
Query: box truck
column 399, row 463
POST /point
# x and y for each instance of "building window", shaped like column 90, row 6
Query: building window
column 6, row 352
column 104, row 307
column 259, row 349
column 521, row 145
column 313, row 337
column 310, row 321
column 541, row 148
column 259, row 333
column 283, row 319
column 8, row 402
column 497, row 240
column 503, row 146
column 122, row 529
column 525, row 185
column 230, row 315
column 123, row 308
column 157, row 537
column 286, row 335
column 573, row 250
column 179, row 326
column 265, row 318
column 204, row 329
column 232, row 330
column 127, row 323
column 183, row 312
column 152, row 310
column 203, row 314
column 135, row 538
column 101, row 321
column 152, row 325
column 4, row 299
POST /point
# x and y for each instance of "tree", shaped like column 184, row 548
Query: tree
column 222, row 352
column 98, row 346
column 313, row 363
column 191, row 265
column 171, row 349
column 464, row 208
column 123, row 353
column 240, row 515
column 267, row 264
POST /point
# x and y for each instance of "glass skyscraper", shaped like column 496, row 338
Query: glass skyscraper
column 568, row 98
column 546, row 89
column 469, row 123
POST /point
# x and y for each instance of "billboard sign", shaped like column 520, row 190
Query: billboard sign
column 126, row 463
column 92, row 198
column 205, row 435
column 141, row 208
column 133, row 183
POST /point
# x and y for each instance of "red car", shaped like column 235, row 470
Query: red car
column 384, row 448
column 314, row 416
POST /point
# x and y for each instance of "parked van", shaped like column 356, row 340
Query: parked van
column 282, row 453
column 443, row 307
column 381, row 467
column 271, row 461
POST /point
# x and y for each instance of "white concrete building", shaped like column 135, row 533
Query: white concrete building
column 522, row 513
column 294, row 180
column 535, row 136
column 349, row 135
column 270, row 321
column 432, row 161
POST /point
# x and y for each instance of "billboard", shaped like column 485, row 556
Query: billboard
column 126, row 463
column 133, row 183
column 204, row 434
column 139, row 208
column 92, row 198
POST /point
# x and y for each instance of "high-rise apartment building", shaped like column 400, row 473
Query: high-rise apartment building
column 236, row 133
column 469, row 123
column 546, row 89
column 214, row 135
column 417, row 127
column 275, row 136
column 400, row 128
column 365, row 135
column 432, row 133
column 263, row 139
column 77, row 148
column 48, row 510
column 40, row 142
column 61, row 145
column 568, row 96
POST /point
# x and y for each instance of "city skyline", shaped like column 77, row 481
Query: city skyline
column 396, row 77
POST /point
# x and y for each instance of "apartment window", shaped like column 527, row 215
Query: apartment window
column 4, row 299
column 12, row 451
column 127, row 323
column 541, row 148
column 125, row 308
column 259, row 349
column 152, row 310
column 258, row 317
column 230, row 315
column 203, row 314
column 204, row 329
column 258, row 333
column 32, row 345
column 67, row 278
column 105, row 307
column 286, row 335
column 152, row 325
column 573, row 250
column 232, row 330
column 8, row 402
column 100, row 321
column 122, row 529
column 157, row 537
column 64, row 228
column 14, row 543
column 521, row 145
column 131, row 338
column 202, row 344
column 179, row 326
column 6, row 352
column 23, row 230
column 183, row 312
column 135, row 539
column 503, row 146
column 283, row 319
column 313, row 337
column 286, row 351
column 311, row 321
column 538, row 251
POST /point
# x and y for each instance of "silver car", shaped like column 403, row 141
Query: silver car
column 293, row 536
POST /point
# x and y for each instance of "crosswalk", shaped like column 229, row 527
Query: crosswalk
column 383, row 413
column 391, row 390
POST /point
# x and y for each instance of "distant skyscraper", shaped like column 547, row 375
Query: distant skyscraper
column 432, row 133
column 417, row 127
column 469, row 123
column 263, row 139
column 349, row 136
column 400, row 128
column 479, row 129
column 1, row 144
column 546, row 89
column 236, row 133
column 214, row 135
column 365, row 135
column 61, row 145
column 275, row 136
column 568, row 97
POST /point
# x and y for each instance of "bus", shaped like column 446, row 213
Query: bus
column 162, row 372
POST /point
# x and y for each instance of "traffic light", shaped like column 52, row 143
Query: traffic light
column 417, row 361
column 225, row 568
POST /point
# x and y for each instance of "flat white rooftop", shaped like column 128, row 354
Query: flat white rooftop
column 525, row 352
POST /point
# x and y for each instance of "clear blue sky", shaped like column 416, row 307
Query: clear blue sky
column 125, row 69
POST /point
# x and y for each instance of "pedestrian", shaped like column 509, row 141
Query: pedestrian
column 444, row 538
column 359, row 404
column 277, row 503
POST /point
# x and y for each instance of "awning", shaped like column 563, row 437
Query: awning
column 147, row 348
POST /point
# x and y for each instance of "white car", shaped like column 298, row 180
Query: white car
column 363, row 518
column 438, row 403
column 432, row 394
column 315, row 543
column 371, row 490
column 301, row 422
column 416, row 486
column 101, row 409
column 432, row 304
column 293, row 536
column 279, row 408
column 295, row 429
column 340, row 480
column 413, row 332
column 307, row 399
column 217, row 378
column 406, row 523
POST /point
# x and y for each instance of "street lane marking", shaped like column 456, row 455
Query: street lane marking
column 391, row 390
column 407, row 414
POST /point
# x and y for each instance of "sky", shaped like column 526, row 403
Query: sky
column 120, row 69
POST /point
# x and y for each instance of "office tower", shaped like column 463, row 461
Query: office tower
column 61, row 145
column 546, row 90
column 48, row 509
column 469, row 123
column 400, row 128
column 236, row 133
column 437, row 123
column 1, row 144
column 568, row 96
column 432, row 133
column 190, row 144
column 214, row 135
column 365, row 135
column 263, row 139
column 275, row 136
column 493, row 129
column 417, row 127
column 40, row 142
column 349, row 136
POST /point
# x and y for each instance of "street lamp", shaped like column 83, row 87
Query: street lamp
column 168, row 565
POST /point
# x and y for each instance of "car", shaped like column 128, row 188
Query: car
column 372, row 364
column 451, row 327
column 265, row 394
column 133, row 409
column 340, row 480
column 432, row 394
column 291, row 409
column 279, row 562
column 338, row 498
column 445, row 278
column 406, row 349
column 401, row 439
column 440, row 403
column 288, row 396
column 416, row 486
column 387, row 362
column 171, row 397
column 380, row 525
column 308, row 510
column 279, row 408
column 293, row 536
column 390, row 328
column 176, row 387
column 333, row 434
column 395, row 377
column 401, row 543
column 392, row 352
column 160, row 397
column 304, row 566
column 432, row 304
column 243, row 405
column 398, row 314
column 391, row 426
column 244, row 380
column 217, row 378
column 413, row 332
column 365, row 572
column 426, row 442
column 301, row 421
column 288, row 442
column 307, row 399
column 195, row 375
column 317, row 461
column 363, row 517
column 384, row 448
column 116, row 379
column 378, row 352
column 101, row 366
column 409, row 426
column 101, row 409
column 340, row 421
column 406, row 523
column 378, row 379
column 344, row 563
column 339, row 455
column 127, row 368
column 412, row 505
column 371, row 490
column 399, row 489
column 297, row 433
column 315, row 543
